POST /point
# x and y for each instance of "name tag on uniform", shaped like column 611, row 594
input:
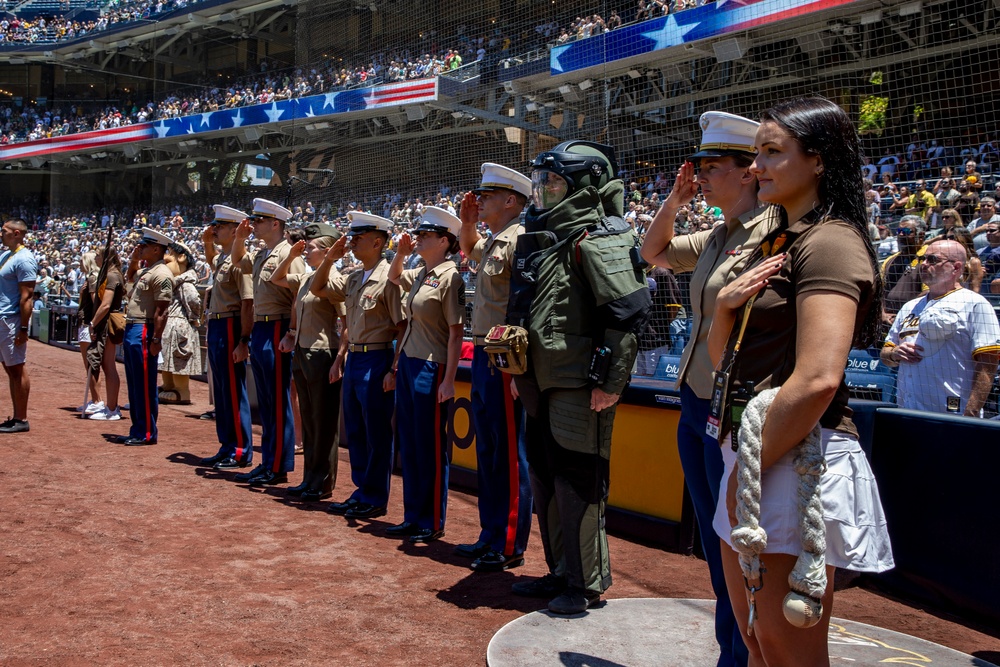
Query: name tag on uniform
column 432, row 282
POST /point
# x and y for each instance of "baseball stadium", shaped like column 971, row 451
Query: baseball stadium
column 214, row 137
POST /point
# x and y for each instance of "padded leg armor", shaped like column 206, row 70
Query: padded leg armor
column 569, row 447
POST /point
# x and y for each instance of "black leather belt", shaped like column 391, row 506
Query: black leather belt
column 271, row 318
column 368, row 347
column 224, row 316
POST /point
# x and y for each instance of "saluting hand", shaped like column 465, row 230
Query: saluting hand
column 405, row 244
column 469, row 213
column 297, row 249
column 685, row 187
column 337, row 250
column 243, row 230
column 208, row 236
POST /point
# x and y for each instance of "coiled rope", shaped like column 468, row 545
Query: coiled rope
column 807, row 579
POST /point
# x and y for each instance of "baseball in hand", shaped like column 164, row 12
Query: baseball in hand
column 802, row 611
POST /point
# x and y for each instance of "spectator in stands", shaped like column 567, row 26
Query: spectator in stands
column 978, row 225
column 900, row 200
column 973, row 276
column 990, row 258
column 967, row 202
column 947, row 342
column 899, row 271
column 886, row 243
column 922, row 202
column 973, row 177
column 888, row 165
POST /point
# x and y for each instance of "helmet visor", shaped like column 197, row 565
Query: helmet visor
column 547, row 188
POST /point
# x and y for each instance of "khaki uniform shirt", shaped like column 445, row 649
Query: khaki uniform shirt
column 716, row 257
column 374, row 306
column 268, row 298
column 230, row 286
column 152, row 285
column 315, row 317
column 435, row 302
column 495, row 257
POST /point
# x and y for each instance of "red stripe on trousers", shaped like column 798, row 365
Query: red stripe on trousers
column 437, row 455
column 513, row 474
column 279, row 395
column 145, row 385
column 233, row 401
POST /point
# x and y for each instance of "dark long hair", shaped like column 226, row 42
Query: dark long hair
column 822, row 128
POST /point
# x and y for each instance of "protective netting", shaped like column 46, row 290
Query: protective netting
column 392, row 105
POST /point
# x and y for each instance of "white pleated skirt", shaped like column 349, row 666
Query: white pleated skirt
column 856, row 534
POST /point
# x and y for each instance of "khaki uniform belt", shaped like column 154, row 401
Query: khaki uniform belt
column 224, row 315
column 368, row 347
column 138, row 320
column 271, row 318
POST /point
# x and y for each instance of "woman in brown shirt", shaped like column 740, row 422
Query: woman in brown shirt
column 817, row 292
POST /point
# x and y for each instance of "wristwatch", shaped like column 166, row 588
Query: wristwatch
column 245, row 339
column 155, row 340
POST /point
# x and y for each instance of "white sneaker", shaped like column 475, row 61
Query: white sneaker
column 107, row 415
column 93, row 408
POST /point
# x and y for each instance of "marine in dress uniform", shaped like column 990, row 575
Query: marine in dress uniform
column 230, row 318
column 425, row 372
column 501, row 461
column 272, row 369
column 317, row 364
column 145, row 316
column 374, row 322
column 583, row 311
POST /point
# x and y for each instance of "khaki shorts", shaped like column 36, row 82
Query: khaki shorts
column 10, row 354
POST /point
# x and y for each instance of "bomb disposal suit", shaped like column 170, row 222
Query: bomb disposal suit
column 579, row 289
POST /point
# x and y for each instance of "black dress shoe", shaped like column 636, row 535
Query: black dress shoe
column 365, row 511
column 212, row 460
column 426, row 535
column 472, row 550
column 247, row 476
column 494, row 561
column 314, row 495
column 138, row 442
column 268, row 478
column 298, row 489
column 229, row 463
column 405, row 529
column 341, row 508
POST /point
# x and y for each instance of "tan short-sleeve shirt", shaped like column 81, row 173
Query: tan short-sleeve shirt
column 315, row 317
column 268, row 298
column 374, row 306
column 229, row 287
column 495, row 256
column 435, row 302
column 716, row 257
column 152, row 285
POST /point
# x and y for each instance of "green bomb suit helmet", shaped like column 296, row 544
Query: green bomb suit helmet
column 569, row 167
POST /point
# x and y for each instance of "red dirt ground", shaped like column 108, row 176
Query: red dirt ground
column 119, row 556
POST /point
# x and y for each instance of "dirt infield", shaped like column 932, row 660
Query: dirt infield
column 137, row 556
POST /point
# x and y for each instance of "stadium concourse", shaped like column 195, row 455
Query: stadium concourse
column 113, row 557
